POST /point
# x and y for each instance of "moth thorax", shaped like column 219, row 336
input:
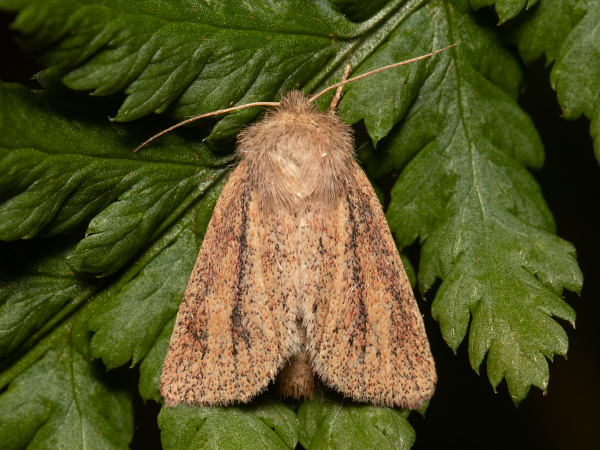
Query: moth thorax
column 304, row 166
column 297, row 155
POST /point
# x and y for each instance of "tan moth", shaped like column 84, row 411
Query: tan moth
column 298, row 274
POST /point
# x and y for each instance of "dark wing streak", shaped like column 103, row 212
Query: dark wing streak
column 360, row 324
column 238, row 331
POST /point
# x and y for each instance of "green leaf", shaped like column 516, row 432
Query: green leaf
column 485, row 228
column 567, row 32
column 359, row 10
column 179, row 57
column 125, row 226
column 264, row 425
column 63, row 166
column 39, row 289
column 205, row 56
column 129, row 323
column 543, row 29
column 35, row 292
column 63, row 401
column 327, row 423
column 575, row 75
column 397, row 88
column 151, row 365
column 56, row 397
column 506, row 9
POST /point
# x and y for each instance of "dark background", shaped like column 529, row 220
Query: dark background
column 465, row 412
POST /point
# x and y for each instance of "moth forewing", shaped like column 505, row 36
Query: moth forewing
column 365, row 332
column 236, row 325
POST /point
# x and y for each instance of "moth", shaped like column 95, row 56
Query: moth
column 298, row 274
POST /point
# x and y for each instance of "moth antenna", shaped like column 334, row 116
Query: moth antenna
column 381, row 69
column 338, row 93
column 332, row 106
column 202, row 116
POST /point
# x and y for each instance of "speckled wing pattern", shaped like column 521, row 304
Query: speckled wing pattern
column 236, row 326
column 364, row 331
